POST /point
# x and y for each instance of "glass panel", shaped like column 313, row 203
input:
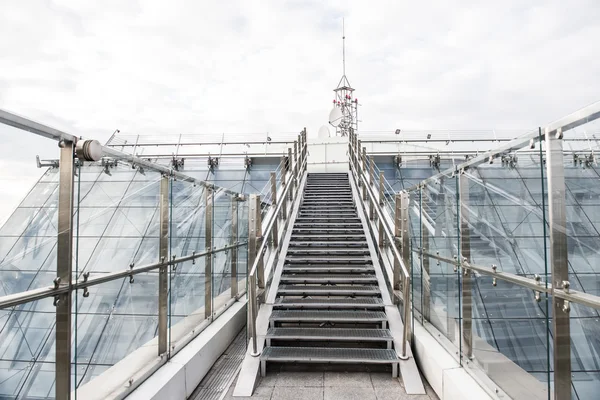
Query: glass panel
column 506, row 226
column 187, row 235
column 440, row 218
column 582, row 175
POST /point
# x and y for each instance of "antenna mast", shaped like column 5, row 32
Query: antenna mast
column 344, row 99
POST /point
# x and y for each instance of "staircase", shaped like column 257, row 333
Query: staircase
column 328, row 307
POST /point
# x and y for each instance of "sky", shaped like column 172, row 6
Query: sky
column 171, row 67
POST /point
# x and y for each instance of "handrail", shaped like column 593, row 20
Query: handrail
column 294, row 174
column 269, row 225
column 16, row 299
column 387, row 230
column 376, row 207
column 28, row 125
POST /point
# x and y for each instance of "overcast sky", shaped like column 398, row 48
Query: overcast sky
column 170, row 67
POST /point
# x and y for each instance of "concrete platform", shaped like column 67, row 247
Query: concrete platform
column 331, row 385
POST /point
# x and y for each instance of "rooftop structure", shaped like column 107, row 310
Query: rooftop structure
column 469, row 257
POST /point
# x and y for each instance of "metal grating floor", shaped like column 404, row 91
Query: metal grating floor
column 215, row 384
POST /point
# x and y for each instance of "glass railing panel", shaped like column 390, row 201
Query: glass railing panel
column 582, row 174
column 416, row 268
column 187, row 235
column 222, row 236
column 439, row 205
column 504, row 206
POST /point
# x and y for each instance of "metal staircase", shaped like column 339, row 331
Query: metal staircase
column 329, row 307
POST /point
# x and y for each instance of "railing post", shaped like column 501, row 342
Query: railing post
column 163, row 272
column 559, row 263
column 357, row 163
column 291, row 191
column 234, row 251
column 381, row 203
column 208, row 289
column 255, row 237
column 372, row 183
column 295, row 162
column 426, row 285
column 405, row 199
column 274, row 232
column 397, row 238
column 64, row 263
column 364, row 171
column 283, row 198
column 252, row 312
column 465, row 257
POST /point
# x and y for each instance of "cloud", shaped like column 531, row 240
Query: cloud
column 195, row 67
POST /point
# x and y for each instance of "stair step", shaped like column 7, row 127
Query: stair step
column 329, row 303
column 327, row 244
column 328, row 278
column 325, row 269
column 328, row 290
column 320, row 260
column 327, row 316
column 337, row 334
column 332, row 237
column 328, row 252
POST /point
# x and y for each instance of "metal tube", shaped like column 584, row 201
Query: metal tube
column 64, row 264
column 397, row 238
column 372, row 178
column 381, row 202
column 426, row 281
column 163, row 272
column 465, row 256
column 208, row 272
column 283, row 198
column 252, row 314
column 234, row 252
column 274, row 231
column 291, row 191
column 407, row 317
column 559, row 263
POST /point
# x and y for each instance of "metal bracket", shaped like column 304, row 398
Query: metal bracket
column 212, row 162
column 177, row 163
column 46, row 163
column 109, row 163
column 247, row 162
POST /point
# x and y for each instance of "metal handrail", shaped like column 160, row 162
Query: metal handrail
column 28, row 125
column 252, row 296
column 395, row 253
column 41, row 293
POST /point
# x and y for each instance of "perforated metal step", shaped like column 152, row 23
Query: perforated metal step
column 328, row 269
column 332, row 334
column 337, row 290
column 328, row 278
column 330, row 303
column 329, row 355
column 327, row 316
column 323, row 260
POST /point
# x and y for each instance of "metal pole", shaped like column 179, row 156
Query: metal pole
column 426, row 286
column 365, row 172
column 208, row 199
column 405, row 228
column 465, row 254
column 283, row 198
column 163, row 272
column 255, row 237
column 381, row 202
column 559, row 262
column 357, row 163
column 234, row 252
column 291, row 191
column 397, row 237
column 274, row 231
column 252, row 313
column 295, row 161
column 64, row 260
column 372, row 182
column 407, row 319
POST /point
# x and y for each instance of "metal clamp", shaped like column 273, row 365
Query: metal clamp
column 131, row 280
column 86, row 292
column 538, row 296
column 494, row 268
